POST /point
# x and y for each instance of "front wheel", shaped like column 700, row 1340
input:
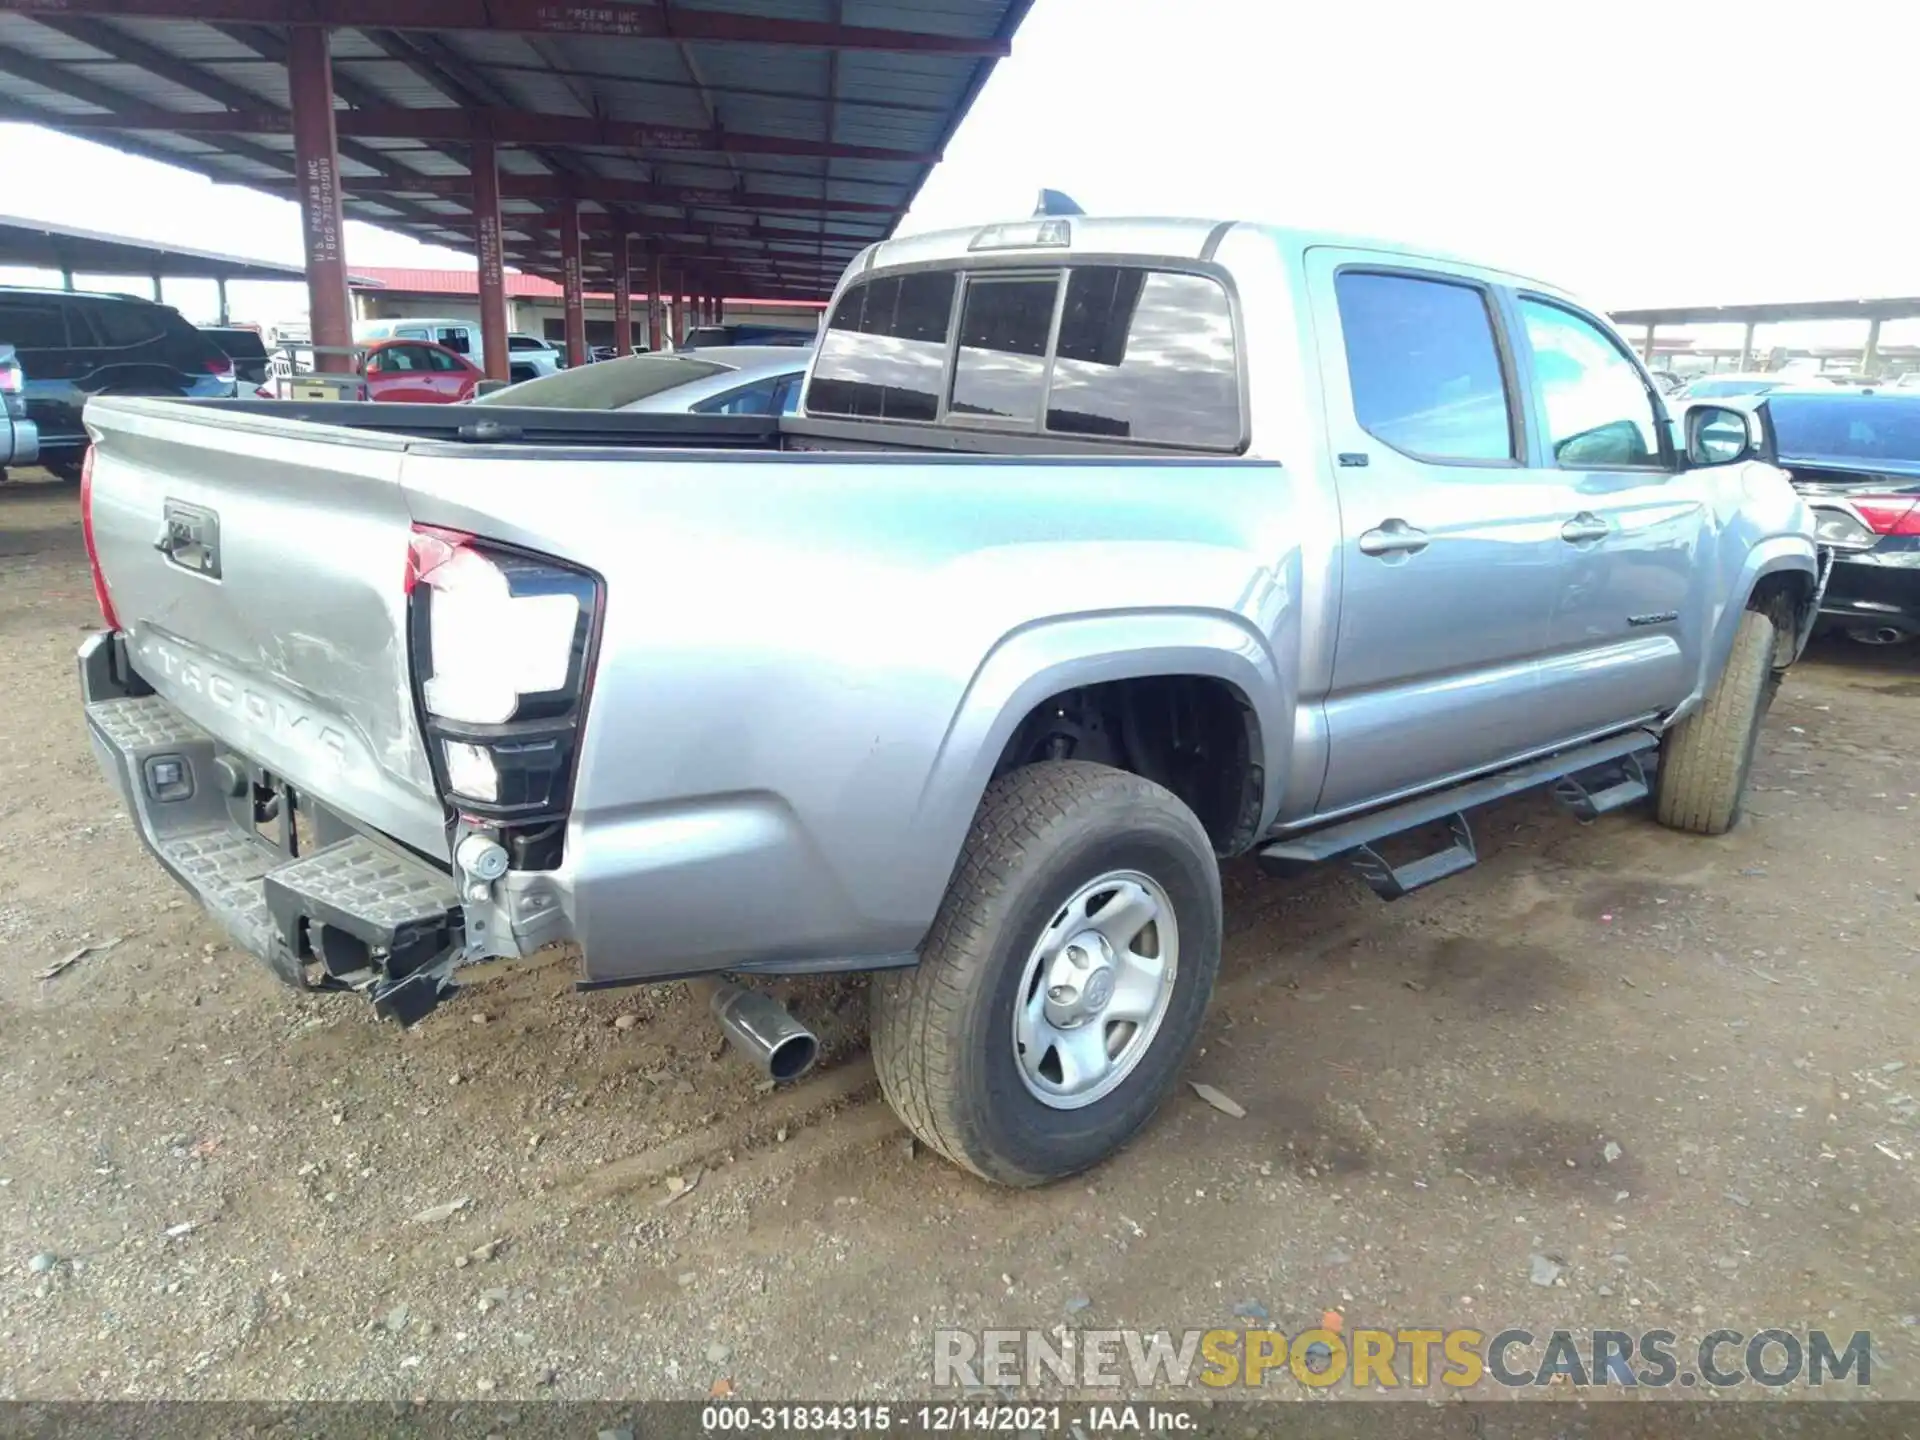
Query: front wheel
column 1704, row 760
column 1063, row 984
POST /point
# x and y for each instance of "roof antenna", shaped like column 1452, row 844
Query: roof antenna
column 1055, row 202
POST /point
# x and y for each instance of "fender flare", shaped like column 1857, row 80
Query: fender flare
column 1777, row 555
column 1047, row 657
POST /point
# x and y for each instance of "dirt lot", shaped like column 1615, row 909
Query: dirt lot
column 1433, row 1091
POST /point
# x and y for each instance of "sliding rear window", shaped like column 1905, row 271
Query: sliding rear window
column 1126, row 353
column 885, row 351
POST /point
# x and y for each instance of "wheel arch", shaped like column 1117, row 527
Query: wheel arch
column 1779, row 572
column 1038, row 663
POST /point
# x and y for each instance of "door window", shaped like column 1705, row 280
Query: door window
column 32, row 324
column 121, row 327
column 1599, row 413
column 1424, row 366
column 1146, row 355
column 754, row 399
column 1001, row 370
column 400, row 360
column 441, row 360
column 454, row 337
column 885, row 351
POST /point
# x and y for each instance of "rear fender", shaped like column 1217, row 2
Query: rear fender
column 1053, row 656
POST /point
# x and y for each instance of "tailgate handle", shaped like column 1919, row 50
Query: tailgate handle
column 191, row 538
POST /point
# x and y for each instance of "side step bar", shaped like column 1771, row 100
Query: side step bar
column 1589, row 780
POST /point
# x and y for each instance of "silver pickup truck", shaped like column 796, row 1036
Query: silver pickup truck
column 1102, row 549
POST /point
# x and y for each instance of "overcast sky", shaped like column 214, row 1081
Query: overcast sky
column 1639, row 153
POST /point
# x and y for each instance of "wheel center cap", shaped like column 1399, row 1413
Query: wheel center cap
column 1080, row 981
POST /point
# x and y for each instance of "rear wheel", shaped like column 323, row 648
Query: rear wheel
column 1065, row 978
column 1705, row 759
column 66, row 471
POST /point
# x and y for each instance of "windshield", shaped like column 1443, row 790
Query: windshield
column 607, row 384
column 1852, row 427
column 1713, row 389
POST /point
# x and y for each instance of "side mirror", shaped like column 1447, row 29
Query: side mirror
column 1718, row 435
column 488, row 387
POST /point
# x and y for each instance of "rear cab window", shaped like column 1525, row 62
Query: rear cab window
column 1128, row 352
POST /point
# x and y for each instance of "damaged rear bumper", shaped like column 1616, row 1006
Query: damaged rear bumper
column 325, row 905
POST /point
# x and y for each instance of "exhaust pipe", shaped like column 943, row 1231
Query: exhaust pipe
column 1879, row 634
column 760, row 1028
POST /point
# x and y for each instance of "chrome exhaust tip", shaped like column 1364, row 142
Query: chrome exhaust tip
column 1879, row 634
column 762, row 1029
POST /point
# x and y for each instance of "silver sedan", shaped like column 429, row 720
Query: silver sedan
column 734, row 380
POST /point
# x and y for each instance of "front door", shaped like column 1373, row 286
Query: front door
column 1625, row 638
column 1450, row 544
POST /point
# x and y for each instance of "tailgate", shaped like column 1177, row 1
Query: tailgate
column 257, row 567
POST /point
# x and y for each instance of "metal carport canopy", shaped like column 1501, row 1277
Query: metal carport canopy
column 40, row 246
column 726, row 144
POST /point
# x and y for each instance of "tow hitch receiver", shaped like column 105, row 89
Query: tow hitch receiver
column 376, row 922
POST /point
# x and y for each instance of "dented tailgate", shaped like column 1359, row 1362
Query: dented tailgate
column 257, row 567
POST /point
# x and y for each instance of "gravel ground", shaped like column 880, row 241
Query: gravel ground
column 1684, row 1072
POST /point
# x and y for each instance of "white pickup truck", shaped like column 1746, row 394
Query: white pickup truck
column 1102, row 549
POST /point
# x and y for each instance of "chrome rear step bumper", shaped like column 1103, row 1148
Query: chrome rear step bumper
column 351, row 912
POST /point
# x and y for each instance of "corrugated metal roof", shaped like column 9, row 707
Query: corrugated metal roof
column 408, row 280
column 785, row 101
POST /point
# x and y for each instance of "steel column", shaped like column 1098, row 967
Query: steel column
column 572, row 284
column 1646, row 345
column 719, row 310
column 220, row 290
column 622, row 294
column 158, row 298
column 317, row 167
column 1746, row 347
column 487, row 249
column 656, row 308
column 1870, row 354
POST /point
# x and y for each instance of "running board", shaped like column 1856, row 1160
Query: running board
column 1622, row 781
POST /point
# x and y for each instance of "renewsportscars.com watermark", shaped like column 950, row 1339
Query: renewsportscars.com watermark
column 1412, row 1359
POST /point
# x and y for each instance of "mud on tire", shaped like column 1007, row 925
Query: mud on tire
column 1705, row 759
column 944, row 1032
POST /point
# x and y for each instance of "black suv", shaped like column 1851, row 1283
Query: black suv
column 74, row 345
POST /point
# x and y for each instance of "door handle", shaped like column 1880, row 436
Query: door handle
column 1585, row 528
column 1393, row 537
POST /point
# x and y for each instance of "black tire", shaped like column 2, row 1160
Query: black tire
column 1705, row 759
column 943, row 1040
column 67, row 472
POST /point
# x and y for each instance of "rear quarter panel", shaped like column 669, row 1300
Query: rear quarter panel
column 810, row 663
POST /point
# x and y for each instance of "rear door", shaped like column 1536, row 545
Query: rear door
column 1625, row 637
column 1450, row 545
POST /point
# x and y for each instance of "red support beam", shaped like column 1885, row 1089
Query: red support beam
column 574, row 287
column 317, row 165
column 625, row 192
column 514, row 127
column 622, row 294
column 490, row 252
column 656, row 307
column 624, row 18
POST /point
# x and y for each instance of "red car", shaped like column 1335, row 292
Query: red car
column 414, row 370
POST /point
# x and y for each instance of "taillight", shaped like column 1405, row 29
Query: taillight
column 500, row 646
column 11, row 380
column 1889, row 514
column 220, row 367
column 100, row 591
